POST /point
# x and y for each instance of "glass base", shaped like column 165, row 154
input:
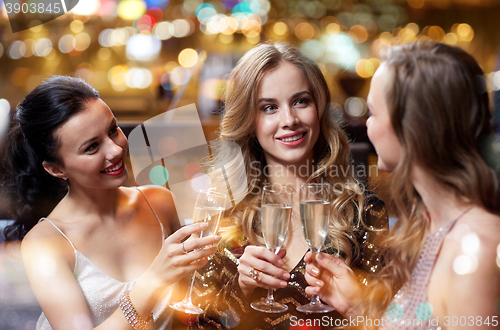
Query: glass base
column 186, row 308
column 269, row 307
column 314, row 307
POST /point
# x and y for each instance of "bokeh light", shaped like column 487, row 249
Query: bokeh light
column 163, row 30
column 117, row 77
column 191, row 170
column 180, row 75
column 141, row 47
column 76, row 26
column 82, row 41
column 200, row 182
column 67, row 43
column 355, row 106
column 470, row 243
column 138, row 78
column 465, row 264
column 358, row 34
column 465, row 32
column 42, row 47
column 17, row 49
column 131, row 9
column 104, row 54
column 158, row 175
column 188, row 57
column 280, row 28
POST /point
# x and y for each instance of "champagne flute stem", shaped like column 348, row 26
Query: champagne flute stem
column 187, row 299
column 270, row 296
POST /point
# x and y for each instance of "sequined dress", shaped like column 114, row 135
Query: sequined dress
column 217, row 291
column 103, row 292
column 409, row 308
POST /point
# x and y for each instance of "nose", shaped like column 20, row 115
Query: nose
column 289, row 117
column 113, row 151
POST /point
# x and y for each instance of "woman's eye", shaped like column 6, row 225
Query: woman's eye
column 269, row 108
column 301, row 102
column 113, row 130
column 91, row 148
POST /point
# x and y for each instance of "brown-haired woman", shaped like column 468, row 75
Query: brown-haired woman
column 431, row 127
column 277, row 111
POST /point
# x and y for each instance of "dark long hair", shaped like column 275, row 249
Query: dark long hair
column 32, row 192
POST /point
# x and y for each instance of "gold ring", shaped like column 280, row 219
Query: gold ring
column 182, row 247
column 254, row 274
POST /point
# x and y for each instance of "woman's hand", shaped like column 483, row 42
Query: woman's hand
column 334, row 282
column 259, row 267
column 177, row 259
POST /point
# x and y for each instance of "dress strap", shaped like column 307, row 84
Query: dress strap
column 60, row 231
column 163, row 234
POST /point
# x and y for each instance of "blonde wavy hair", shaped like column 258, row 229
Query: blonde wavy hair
column 331, row 150
column 440, row 113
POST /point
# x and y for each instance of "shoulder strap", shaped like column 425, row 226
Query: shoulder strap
column 60, row 231
column 157, row 218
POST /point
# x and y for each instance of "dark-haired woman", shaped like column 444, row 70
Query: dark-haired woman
column 430, row 124
column 95, row 252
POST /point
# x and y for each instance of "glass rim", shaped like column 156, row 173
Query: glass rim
column 270, row 187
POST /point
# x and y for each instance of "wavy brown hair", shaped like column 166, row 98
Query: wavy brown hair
column 331, row 151
column 440, row 113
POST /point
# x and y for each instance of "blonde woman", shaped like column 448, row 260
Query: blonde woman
column 277, row 110
column 431, row 127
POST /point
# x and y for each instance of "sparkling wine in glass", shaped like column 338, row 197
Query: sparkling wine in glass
column 275, row 214
column 208, row 208
column 315, row 214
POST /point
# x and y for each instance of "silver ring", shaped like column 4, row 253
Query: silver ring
column 254, row 274
column 182, row 247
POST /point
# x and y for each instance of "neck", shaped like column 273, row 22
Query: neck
column 292, row 175
column 93, row 201
column 442, row 203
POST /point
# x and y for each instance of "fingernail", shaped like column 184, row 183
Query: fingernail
column 319, row 283
column 283, row 284
column 204, row 224
column 320, row 256
column 280, row 263
column 315, row 271
column 286, row 276
column 217, row 237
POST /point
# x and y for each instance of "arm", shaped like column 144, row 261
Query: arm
column 49, row 261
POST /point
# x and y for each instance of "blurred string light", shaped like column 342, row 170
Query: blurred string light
column 467, row 262
column 76, row 26
column 341, row 50
column 17, row 49
column 42, row 47
column 366, row 68
column 67, row 43
column 141, row 47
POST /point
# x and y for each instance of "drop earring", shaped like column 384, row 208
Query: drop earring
column 65, row 178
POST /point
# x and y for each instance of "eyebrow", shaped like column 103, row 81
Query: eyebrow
column 111, row 125
column 264, row 99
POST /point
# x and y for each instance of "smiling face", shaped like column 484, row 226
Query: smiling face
column 92, row 149
column 287, row 125
column 379, row 126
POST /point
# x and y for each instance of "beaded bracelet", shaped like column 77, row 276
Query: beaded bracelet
column 133, row 318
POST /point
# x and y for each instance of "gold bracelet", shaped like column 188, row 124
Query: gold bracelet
column 133, row 318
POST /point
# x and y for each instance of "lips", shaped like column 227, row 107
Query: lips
column 293, row 139
column 114, row 169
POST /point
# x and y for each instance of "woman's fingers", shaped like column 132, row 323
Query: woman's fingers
column 185, row 231
column 198, row 243
column 255, row 277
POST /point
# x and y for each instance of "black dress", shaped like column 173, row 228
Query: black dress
column 217, row 291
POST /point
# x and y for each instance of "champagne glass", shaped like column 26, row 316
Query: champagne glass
column 275, row 213
column 315, row 215
column 208, row 207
